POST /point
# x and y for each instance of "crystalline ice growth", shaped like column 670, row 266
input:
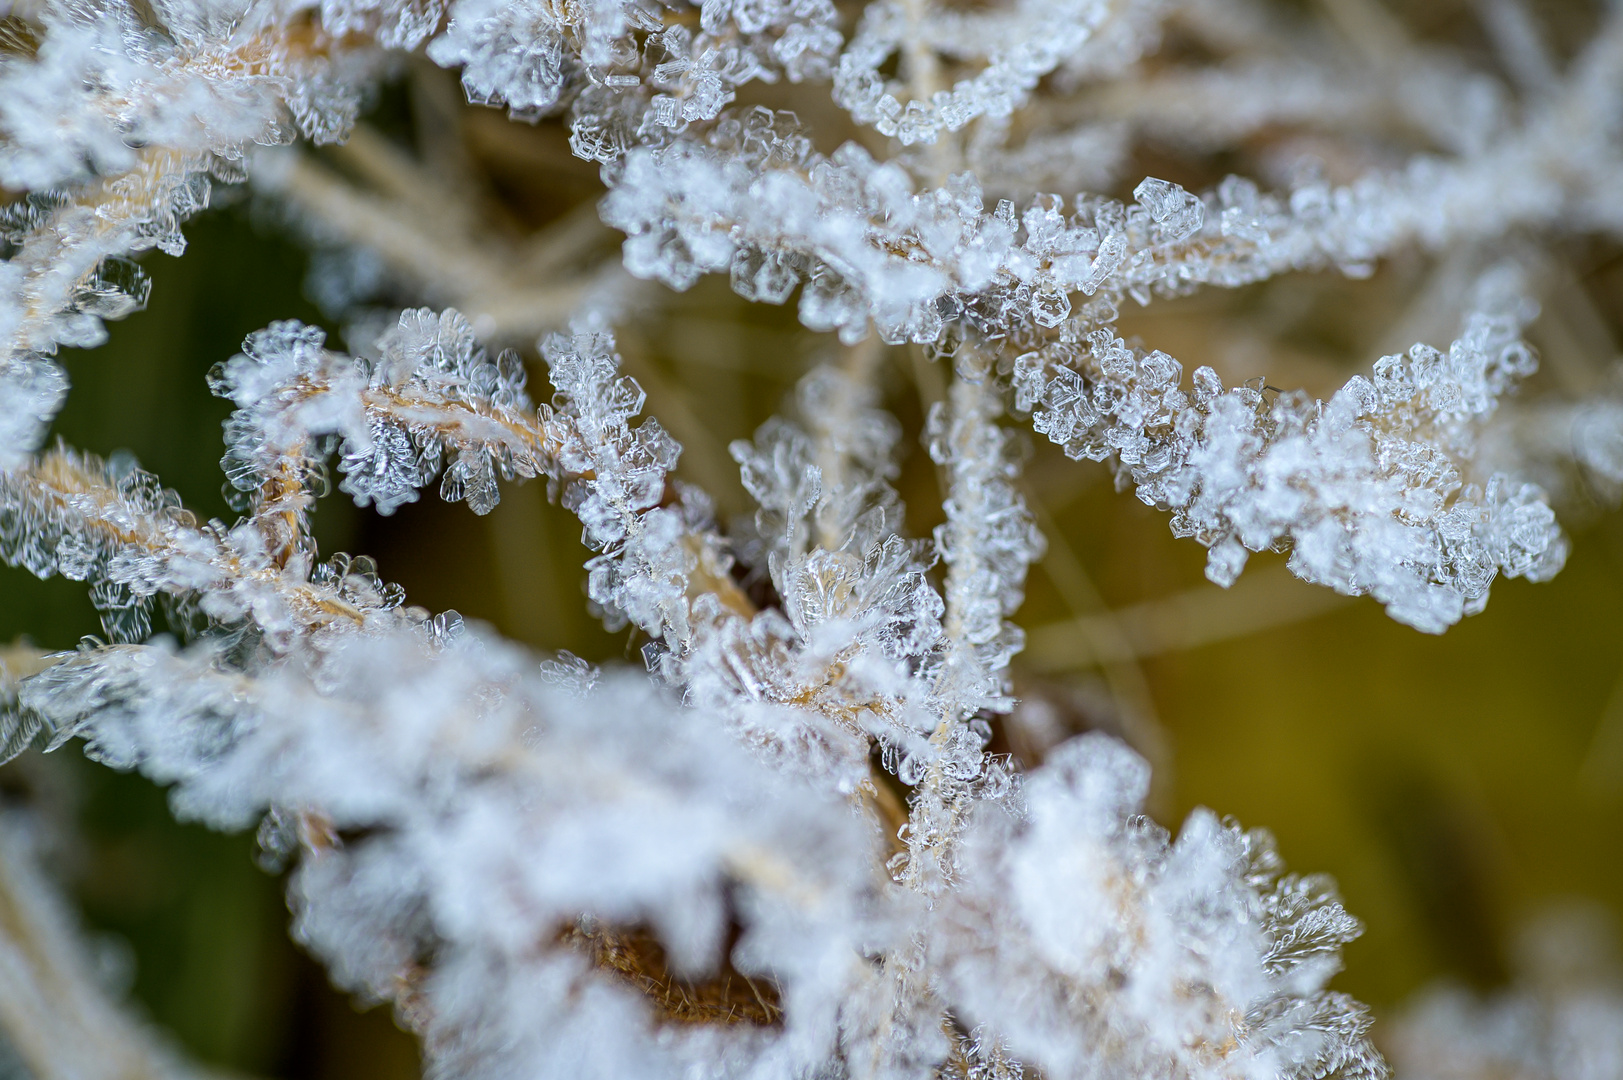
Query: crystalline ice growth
column 114, row 525
column 616, row 483
column 1019, row 45
column 987, row 542
column 509, row 53
column 509, row 824
column 630, row 58
column 1095, row 945
column 1374, row 489
column 853, row 651
column 433, row 400
column 866, row 242
column 115, row 125
column 31, row 391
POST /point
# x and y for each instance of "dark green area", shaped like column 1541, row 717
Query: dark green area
column 144, row 391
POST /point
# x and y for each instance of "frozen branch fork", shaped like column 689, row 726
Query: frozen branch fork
column 785, row 851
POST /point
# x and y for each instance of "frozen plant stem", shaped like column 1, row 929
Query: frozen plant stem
column 787, row 851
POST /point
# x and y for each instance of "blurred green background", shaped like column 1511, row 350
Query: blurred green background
column 1452, row 785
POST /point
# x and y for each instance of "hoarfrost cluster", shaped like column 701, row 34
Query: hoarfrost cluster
column 1562, row 1020
column 786, row 851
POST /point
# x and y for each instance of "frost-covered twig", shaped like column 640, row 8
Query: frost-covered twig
column 655, row 561
column 432, row 400
column 113, row 525
column 987, row 542
column 1373, row 490
column 17, row 662
column 477, row 839
column 1015, row 60
column 114, row 128
column 55, row 1014
column 868, row 245
column 484, row 780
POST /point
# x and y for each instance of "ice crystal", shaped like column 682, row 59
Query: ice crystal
column 1097, row 945
column 1372, row 490
column 788, row 850
column 431, row 397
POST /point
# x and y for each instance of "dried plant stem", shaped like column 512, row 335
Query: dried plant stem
column 1102, row 627
column 53, row 1012
column 496, row 290
column 1204, row 615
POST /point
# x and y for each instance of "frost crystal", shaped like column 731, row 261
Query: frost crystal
column 789, row 850
column 1373, row 490
column 1096, row 946
column 431, row 395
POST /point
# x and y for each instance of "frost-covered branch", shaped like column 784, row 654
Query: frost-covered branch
column 654, row 560
column 490, row 846
column 114, row 127
column 431, row 401
column 867, row 245
column 504, row 815
column 55, row 1015
column 987, row 542
column 648, row 64
column 113, row 525
column 1373, row 491
column 1015, row 60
